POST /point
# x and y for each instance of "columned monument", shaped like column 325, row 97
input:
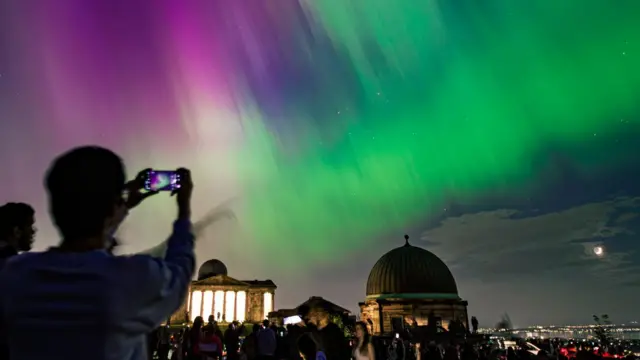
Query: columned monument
column 227, row 299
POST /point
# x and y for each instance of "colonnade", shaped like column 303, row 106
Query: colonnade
column 227, row 305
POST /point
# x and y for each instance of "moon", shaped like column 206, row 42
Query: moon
column 598, row 250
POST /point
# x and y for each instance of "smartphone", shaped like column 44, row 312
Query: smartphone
column 162, row 180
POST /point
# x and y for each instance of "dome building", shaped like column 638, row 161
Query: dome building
column 227, row 299
column 410, row 282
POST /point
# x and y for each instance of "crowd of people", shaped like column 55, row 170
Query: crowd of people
column 314, row 337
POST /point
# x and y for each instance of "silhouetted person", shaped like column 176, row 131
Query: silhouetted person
column 16, row 235
column 329, row 336
column 294, row 332
column 363, row 347
column 195, row 335
column 232, row 341
column 474, row 324
column 152, row 343
column 16, row 230
column 432, row 352
column 250, row 343
column 164, row 342
column 267, row 343
column 77, row 300
column 210, row 346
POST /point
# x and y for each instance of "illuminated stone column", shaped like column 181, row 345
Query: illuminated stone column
column 241, row 306
column 267, row 304
column 207, row 304
column 189, row 303
column 229, row 306
column 196, row 304
column 218, row 304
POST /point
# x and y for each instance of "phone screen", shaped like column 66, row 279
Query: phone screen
column 162, row 180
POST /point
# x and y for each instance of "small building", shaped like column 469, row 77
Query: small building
column 409, row 283
column 227, row 299
column 278, row 317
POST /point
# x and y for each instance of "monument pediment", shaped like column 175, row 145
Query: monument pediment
column 220, row 280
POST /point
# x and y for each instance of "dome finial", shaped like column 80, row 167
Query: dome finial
column 406, row 240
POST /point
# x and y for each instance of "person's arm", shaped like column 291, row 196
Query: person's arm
column 156, row 288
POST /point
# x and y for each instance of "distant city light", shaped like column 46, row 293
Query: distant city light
column 598, row 250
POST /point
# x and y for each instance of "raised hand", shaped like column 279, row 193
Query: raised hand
column 183, row 194
column 134, row 188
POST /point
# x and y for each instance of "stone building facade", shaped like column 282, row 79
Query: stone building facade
column 410, row 283
column 227, row 299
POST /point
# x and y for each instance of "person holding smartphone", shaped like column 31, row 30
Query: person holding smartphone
column 77, row 300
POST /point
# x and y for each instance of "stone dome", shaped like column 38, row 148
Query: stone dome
column 211, row 268
column 411, row 270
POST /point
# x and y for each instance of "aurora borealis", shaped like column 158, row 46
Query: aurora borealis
column 331, row 123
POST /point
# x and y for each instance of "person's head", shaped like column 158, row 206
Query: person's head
column 197, row 322
column 362, row 332
column 307, row 347
column 85, row 188
column 17, row 225
column 319, row 316
column 211, row 319
column 265, row 323
column 255, row 328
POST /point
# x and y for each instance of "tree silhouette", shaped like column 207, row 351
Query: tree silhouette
column 344, row 323
column 602, row 331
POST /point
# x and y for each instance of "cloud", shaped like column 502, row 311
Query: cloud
column 500, row 245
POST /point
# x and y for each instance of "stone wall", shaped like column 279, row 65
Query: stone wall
column 446, row 310
column 255, row 309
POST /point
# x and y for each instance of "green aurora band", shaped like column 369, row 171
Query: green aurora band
column 461, row 101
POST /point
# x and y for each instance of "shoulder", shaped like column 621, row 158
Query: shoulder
column 12, row 268
column 19, row 260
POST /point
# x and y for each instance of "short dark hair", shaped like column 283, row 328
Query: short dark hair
column 14, row 215
column 84, row 184
column 307, row 346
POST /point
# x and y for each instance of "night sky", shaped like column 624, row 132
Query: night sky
column 502, row 136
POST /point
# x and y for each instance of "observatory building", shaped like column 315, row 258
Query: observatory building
column 410, row 282
column 227, row 299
